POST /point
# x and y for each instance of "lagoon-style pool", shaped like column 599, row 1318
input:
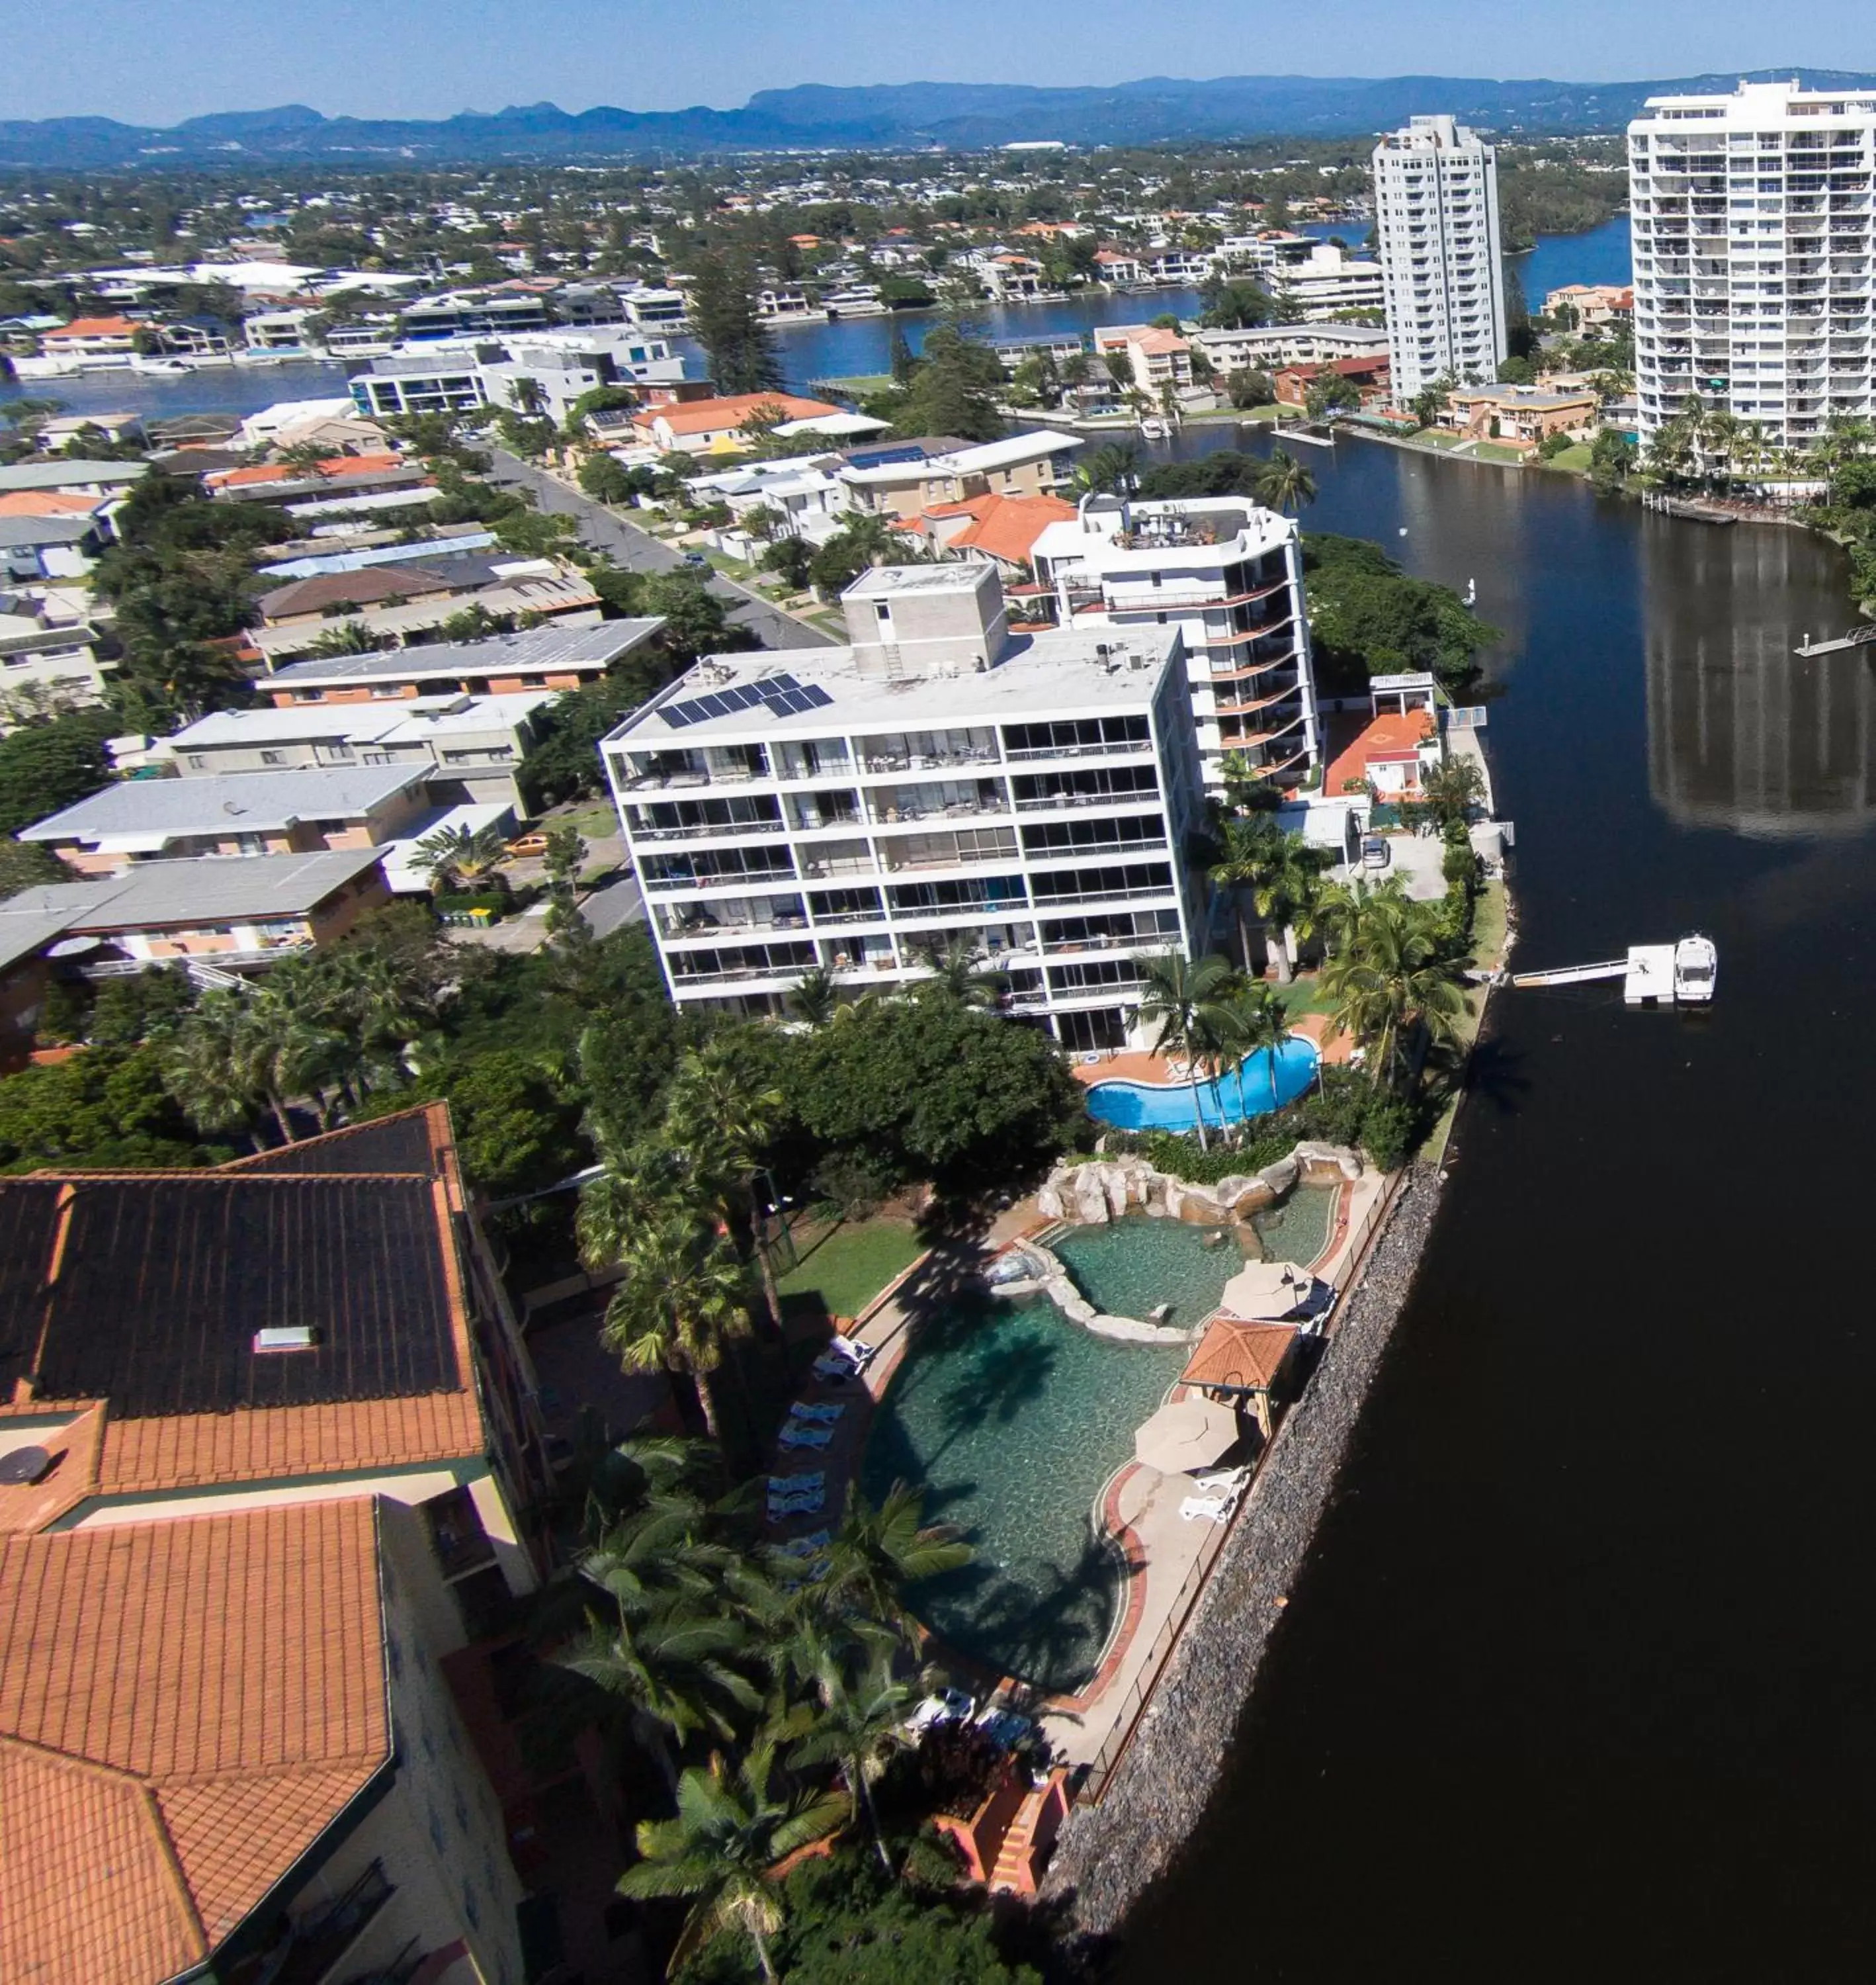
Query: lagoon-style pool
column 1013, row 1418
column 1247, row 1092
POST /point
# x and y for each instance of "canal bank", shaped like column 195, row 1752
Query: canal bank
column 1574, row 1677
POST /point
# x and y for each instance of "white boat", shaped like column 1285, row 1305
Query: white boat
column 1154, row 429
column 167, row 368
column 1696, row 970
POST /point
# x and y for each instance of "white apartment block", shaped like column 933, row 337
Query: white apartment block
column 1753, row 269
column 940, row 781
column 1436, row 213
column 1227, row 574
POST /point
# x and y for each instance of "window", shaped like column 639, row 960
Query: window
column 273, row 758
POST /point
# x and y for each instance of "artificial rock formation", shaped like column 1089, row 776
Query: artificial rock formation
column 1097, row 1189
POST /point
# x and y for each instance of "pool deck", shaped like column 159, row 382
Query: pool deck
column 1134, row 1065
column 1140, row 1505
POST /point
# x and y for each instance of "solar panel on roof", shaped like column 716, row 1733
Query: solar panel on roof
column 678, row 714
column 785, row 681
column 817, row 697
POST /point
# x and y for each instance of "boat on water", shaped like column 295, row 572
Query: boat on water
column 1155, row 429
column 1696, row 970
column 165, row 367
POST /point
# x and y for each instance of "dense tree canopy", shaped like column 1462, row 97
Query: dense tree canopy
column 106, row 1106
column 1367, row 617
column 52, row 764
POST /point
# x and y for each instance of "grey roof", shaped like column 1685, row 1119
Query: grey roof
column 46, row 530
column 24, row 933
column 357, row 722
column 65, row 474
column 209, row 889
column 227, row 802
column 536, row 648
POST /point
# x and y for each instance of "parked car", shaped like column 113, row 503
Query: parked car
column 1375, row 853
column 698, row 560
column 526, row 847
column 948, row 1705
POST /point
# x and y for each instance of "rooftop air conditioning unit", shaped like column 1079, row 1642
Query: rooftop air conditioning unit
column 285, row 1337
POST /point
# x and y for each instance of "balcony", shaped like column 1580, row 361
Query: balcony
column 317, row 1939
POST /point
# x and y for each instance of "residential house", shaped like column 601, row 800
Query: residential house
column 548, row 659
column 1268, row 348
column 1009, row 277
column 1369, row 376
column 72, row 476
column 347, row 474
column 1118, row 267
column 1592, row 306
column 458, row 378
column 1038, row 463
column 93, row 337
column 999, row 530
column 1389, row 752
column 61, row 430
column 511, row 306
column 46, row 663
column 1522, row 416
column 719, row 426
column 41, row 547
column 939, row 779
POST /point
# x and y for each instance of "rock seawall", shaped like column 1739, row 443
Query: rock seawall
column 1109, row 1854
column 1097, row 1189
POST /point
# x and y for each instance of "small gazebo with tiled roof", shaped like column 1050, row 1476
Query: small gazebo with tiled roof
column 1240, row 1361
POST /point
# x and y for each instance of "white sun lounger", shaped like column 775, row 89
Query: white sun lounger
column 815, row 1415
column 1208, row 1508
column 795, row 1435
column 844, row 1355
column 1221, row 1481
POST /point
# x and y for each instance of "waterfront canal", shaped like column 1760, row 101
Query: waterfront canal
column 1578, row 1681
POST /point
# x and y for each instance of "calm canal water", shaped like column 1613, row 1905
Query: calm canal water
column 1577, row 1682
column 808, row 352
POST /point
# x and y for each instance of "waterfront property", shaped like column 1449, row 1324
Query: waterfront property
column 1228, row 574
column 1265, row 1081
column 939, row 783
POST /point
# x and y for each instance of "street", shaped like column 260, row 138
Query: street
column 639, row 552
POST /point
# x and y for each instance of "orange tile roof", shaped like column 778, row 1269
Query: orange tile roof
column 282, row 471
column 710, row 416
column 1006, row 527
column 49, row 503
column 1160, row 340
column 95, row 326
column 1235, row 1354
column 185, row 1707
column 1393, row 734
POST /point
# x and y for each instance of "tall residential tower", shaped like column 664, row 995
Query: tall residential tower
column 1753, row 269
column 1436, row 212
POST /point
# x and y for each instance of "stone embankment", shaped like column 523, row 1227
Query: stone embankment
column 1109, row 1854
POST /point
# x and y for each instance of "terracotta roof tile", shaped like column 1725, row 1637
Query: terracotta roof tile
column 1006, row 527
column 1235, row 1354
column 184, row 1707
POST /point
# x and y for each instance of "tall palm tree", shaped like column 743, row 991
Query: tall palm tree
column 959, row 972
column 201, row 1070
column 876, row 1553
column 1186, row 1004
column 1112, row 468
column 720, row 1122
column 1242, row 854
column 732, row 1827
column 873, row 538
column 1282, row 483
column 1257, row 1022
column 859, row 1725
column 348, row 637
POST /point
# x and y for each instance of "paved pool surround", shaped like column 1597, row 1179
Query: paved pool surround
column 1109, row 1854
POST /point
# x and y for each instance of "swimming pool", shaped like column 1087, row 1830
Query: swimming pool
column 1013, row 1419
column 1129, row 1267
column 1141, row 1106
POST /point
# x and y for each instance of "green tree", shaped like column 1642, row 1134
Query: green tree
column 724, row 321
column 346, row 637
column 732, row 1827
column 859, row 1725
column 1612, row 460
column 29, row 865
column 108, row 1108
column 1256, row 1023
column 879, row 1552
column 52, row 762
column 1285, row 484
column 1250, row 388
column 1232, row 303
column 462, row 858
column 956, row 389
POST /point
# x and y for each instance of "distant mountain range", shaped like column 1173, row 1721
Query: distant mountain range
column 900, row 115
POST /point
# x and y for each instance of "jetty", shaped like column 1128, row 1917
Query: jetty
column 1858, row 637
column 1691, row 508
column 1301, row 434
column 1652, row 975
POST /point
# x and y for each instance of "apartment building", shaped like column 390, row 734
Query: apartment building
column 1228, row 575
column 1436, row 213
column 1040, row 464
column 1158, row 362
column 1753, row 275
column 1319, row 276
column 248, row 1524
column 552, row 658
column 1268, row 347
column 937, row 781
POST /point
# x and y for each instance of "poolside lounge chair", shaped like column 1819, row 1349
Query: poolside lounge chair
column 821, row 1415
column 1209, row 1509
column 793, row 1434
column 1221, row 1481
column 807, row 1547
column 809, row 1505
column 792, row 1484
column 844, row 1357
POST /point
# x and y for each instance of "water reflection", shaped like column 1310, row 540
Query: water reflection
column 1742, row 733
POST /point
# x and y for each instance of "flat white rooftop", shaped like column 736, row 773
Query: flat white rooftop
column 1040, row 675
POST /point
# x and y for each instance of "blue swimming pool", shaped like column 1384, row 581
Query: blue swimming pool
column 1139, row 1106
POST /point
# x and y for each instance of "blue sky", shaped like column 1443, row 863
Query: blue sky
column 155, row 61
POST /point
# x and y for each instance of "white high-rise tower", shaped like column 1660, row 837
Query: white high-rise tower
column 1436, row 212
column 1753, row 276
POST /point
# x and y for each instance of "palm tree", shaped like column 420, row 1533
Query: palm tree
column 201, row 1071
column 527, row 396
column 671, row 1669
column 1257, row 1022
column 682, row 1299
column 460, row 857
column 1452, row 788
column 859, row 1725
column 721, row 1122
column 1240, row 862
column 958, row 972
column 875, row 539
column 876, row 1553
column 1114, row 467
column 1279, row 871
column 1186, row 1002
column 348, row 637
column 730, row 1830
column 1282, row 483
column 1387, row 972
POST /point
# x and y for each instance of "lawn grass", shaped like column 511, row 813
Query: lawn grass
column 1304, row 994
column 1490, row 452
column 1575, row 457
column 1439, row 438
column 860, row 384
column 845, row 1265
column 1488, row 926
